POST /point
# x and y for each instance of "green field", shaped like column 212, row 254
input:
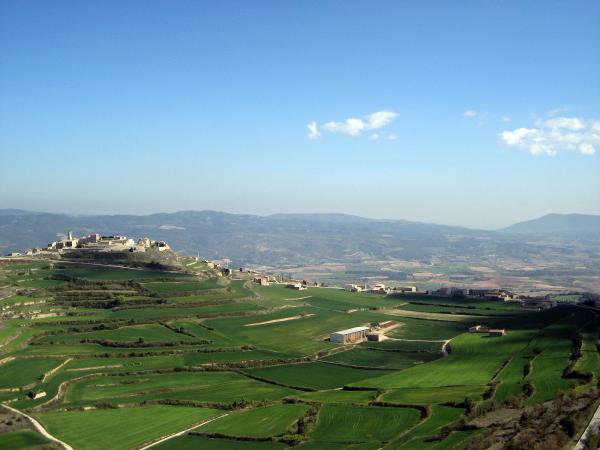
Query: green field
column 203, row 443
column 24, row 439
column 139, row 425
column 132, row 356
column 221, row 387
column 182, row 286
column 427, row 396
column 341, row 423
column 376, row 358
column 258, row 422
column 22, row 372
column 457, row 369
column 315, row 375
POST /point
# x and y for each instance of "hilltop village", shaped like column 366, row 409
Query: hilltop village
column 96, row 242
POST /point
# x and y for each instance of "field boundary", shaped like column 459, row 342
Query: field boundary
column 179, row 433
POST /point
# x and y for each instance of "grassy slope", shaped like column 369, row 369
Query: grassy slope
column 315, row 375
column 259, row 422
column 458, row 368
column 22, row 439
column 193, row 442
column 102, row 425
column 342, row 423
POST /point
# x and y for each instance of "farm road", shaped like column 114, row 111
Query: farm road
column 594, row 425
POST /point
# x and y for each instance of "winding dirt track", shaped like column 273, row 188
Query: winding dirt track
column 594, row 425
column 38, row 426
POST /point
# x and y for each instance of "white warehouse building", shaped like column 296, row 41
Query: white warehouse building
column 349, row 335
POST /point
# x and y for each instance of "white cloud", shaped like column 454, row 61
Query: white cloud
column 569, row 123
column 355, row 126
column 505, row 119
column 392, row 137
column 470, row 113
column 313, row 131
column 351, row 126
column 374, row 136
column 554, row 135
column 380, row 119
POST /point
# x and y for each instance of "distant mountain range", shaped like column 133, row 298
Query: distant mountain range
column 301, row 239
column 560, row 225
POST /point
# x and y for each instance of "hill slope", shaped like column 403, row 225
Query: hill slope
column 560, row 225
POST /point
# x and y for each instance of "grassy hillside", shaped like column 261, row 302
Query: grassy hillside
column 132, row 356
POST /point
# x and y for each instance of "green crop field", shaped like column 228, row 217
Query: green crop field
column 195, row 442
column 223, row 387
column 259, row 422
column 458, row 368
column 315, row 375
column 382, row 359
column 109, row 357
column 22, row 372
column 440, row 394
column 140, row 425
column 182, row 286
column 342, row 423
column 24, row 439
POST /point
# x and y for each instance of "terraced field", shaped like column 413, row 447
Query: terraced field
column 108, row 357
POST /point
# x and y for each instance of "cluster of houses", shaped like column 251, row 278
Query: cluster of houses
column 265, row 280
column 529, row 303
column 379, row 288
column 374, row 332
column 484, row 294
column 95, row 241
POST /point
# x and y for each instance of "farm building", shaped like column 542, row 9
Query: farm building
column 296, row 286
column 479, row 329
column 354, row 288
column 379, row 289
column 375, row 337
column 405, row 288
column 497, row 332
column 349, row 335
column 263, row 281
column 459, row 292
column 34, row 395
column 387, row 324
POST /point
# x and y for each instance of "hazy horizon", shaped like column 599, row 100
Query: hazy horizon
column 149, row 213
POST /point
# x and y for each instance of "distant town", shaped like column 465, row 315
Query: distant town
column 97, row 242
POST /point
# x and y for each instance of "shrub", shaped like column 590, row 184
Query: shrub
column 568, row 425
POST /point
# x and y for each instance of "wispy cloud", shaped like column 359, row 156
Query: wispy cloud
column 354, row 126
column 313, row 131
column 556, row 111
column 505, row 119
column 470, row 113
column 550, row 136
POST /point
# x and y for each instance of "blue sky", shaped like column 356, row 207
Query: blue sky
column 477, row 113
